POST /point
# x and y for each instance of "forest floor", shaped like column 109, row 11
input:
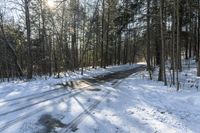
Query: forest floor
column 119, row 99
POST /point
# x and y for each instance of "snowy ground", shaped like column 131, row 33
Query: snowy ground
column 23, row 103
column 143, row 106
column 130, row 105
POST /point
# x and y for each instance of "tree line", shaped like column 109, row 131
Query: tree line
column 75, row 34
column 72, row 35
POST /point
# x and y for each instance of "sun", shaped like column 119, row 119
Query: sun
column 51, row 3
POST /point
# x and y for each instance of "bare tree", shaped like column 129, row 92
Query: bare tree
column 28, row 34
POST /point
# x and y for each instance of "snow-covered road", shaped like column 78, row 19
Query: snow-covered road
column 109, row 103
column 24, row 111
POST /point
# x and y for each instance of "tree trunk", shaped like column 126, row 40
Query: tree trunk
column 28, row 34
column 162, row 68
column 178, row 45
column 148, row 40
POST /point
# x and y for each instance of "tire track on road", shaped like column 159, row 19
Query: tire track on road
column 72, row 126
column 23, row 117
column 74, row 123
column 33, row 104
column 31, row 95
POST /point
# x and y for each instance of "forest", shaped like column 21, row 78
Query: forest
column 103, row 66
column 46, row 37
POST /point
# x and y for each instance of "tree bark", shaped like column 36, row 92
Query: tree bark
column 162, row 68
column 28, row 34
